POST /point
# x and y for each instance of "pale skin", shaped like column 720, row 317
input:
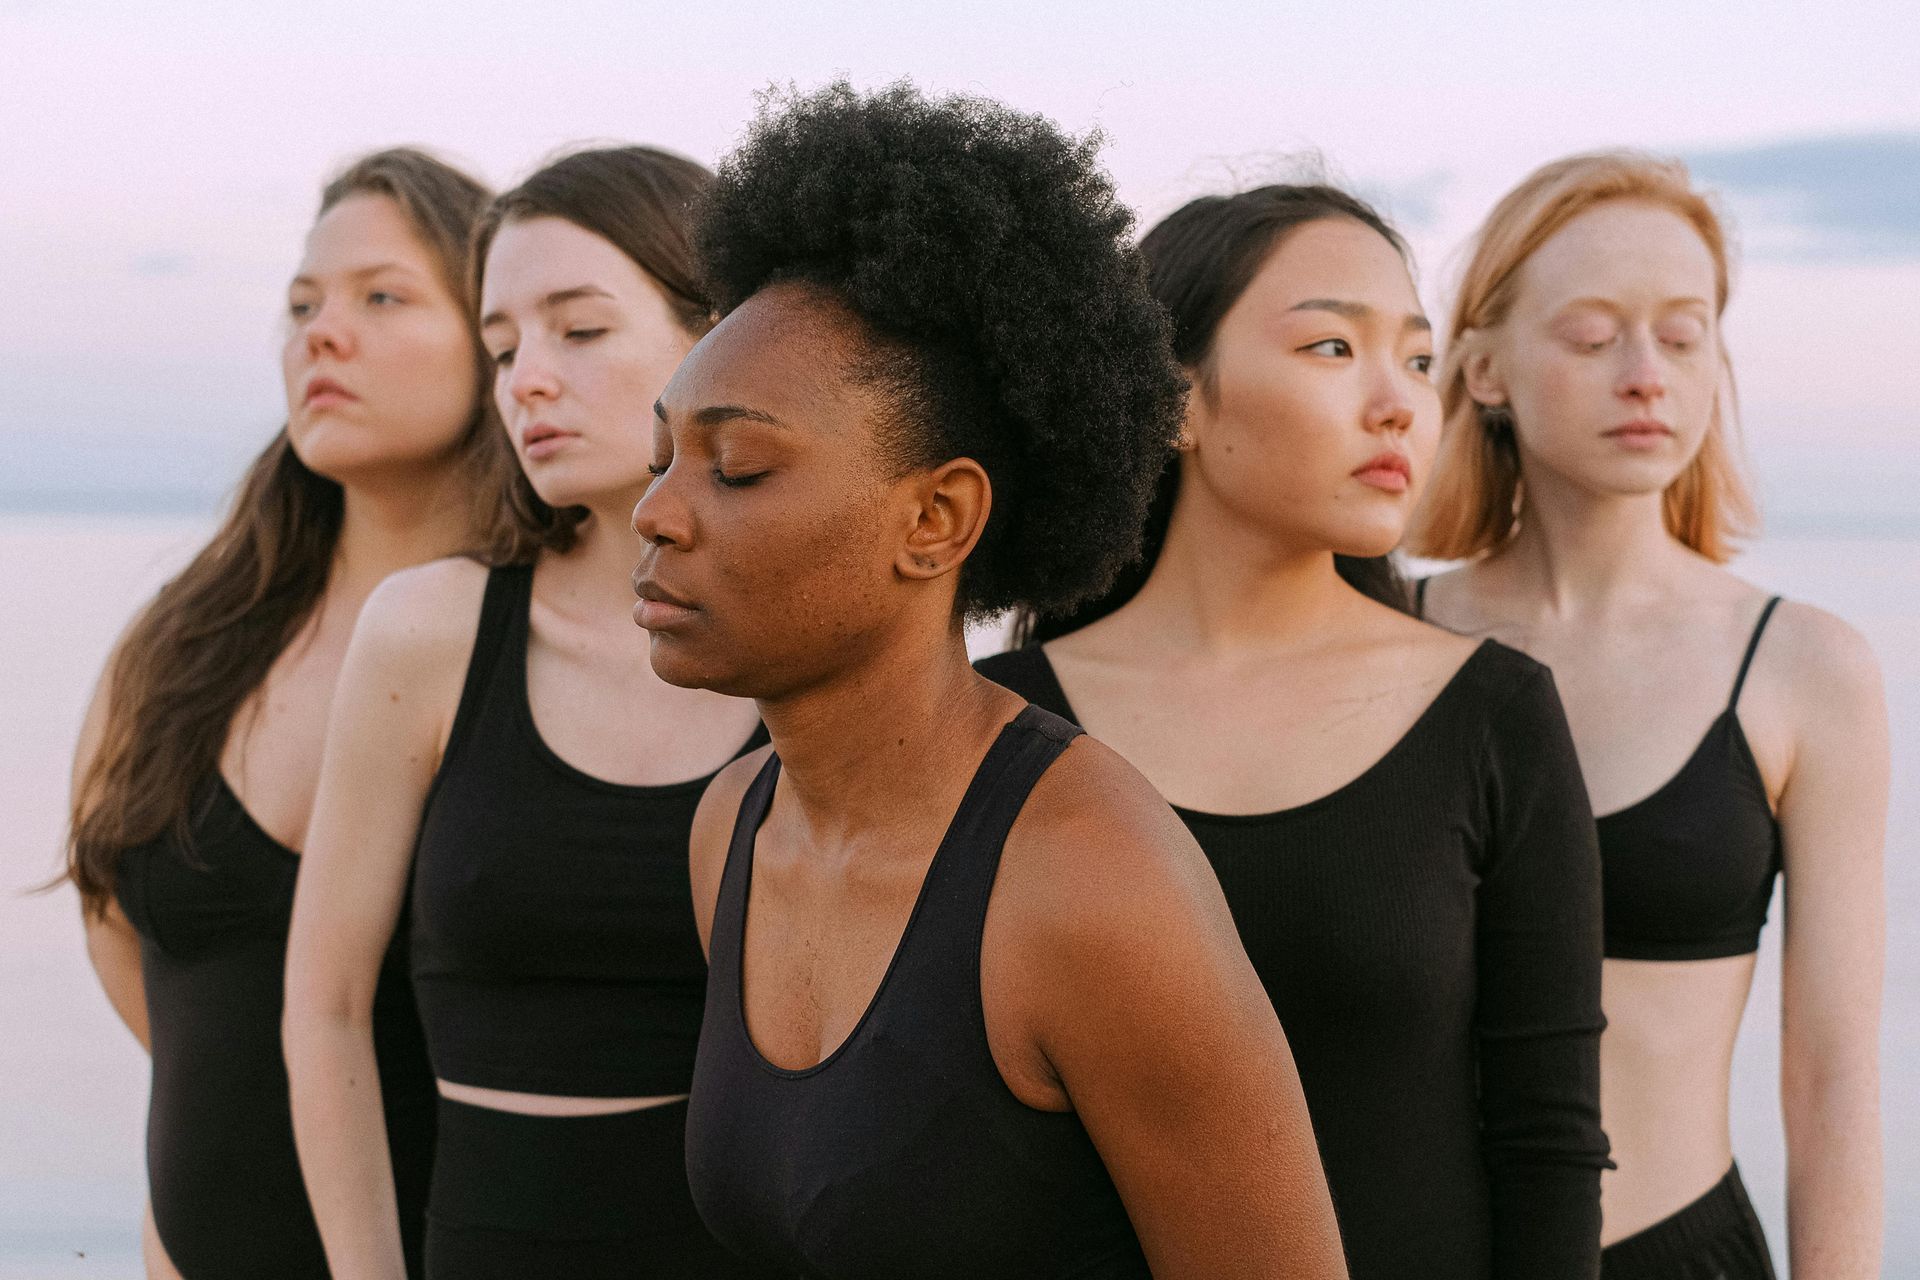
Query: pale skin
column 369, row 311
column 824, row 588
column 1614, row 323
column 582, row 340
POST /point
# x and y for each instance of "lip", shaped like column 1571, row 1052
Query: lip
column 1389, row 472
column 543, row 439
column 1641, row 433
column 658, row 609
column 321, row 393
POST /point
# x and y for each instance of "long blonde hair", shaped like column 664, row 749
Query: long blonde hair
column 1474, row 501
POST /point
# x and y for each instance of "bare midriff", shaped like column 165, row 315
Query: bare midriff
column 1666, row 1062
column 543, row 1104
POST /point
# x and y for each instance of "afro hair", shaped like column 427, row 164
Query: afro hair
column 988, row 256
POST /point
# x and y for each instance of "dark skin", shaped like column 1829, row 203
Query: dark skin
column 824, row 589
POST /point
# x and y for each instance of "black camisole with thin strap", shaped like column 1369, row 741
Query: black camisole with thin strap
column 1687, row 873
column 903, row 1152
column 228, row 1200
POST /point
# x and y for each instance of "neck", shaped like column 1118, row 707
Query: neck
column 386, row 527
column 598, row 570
column 862, row 751
column 1221, row 585
column 1581, row 551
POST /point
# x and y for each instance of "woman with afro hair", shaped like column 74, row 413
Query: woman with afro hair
column 976, row 1006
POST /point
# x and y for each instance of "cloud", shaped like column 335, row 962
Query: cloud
column 160, row 263
column 1842, row 198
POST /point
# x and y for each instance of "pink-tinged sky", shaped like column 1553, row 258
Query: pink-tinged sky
column 159, row 163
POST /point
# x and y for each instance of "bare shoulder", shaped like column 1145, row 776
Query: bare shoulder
column 713, row 832
column 1098, row 861
column 423, row 616
column 1822, row 661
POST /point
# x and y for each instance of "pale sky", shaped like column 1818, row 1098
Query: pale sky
column 159, row 164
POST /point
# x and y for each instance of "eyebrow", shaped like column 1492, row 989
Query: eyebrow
column 715, row 414
column 361, row 273
column 1357, row 311
column 1607, row 304
column 557, row 298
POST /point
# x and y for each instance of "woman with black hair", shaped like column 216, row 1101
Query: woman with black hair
column 1395, row 813
column 975, row 1005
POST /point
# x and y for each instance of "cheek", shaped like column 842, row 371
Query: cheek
column 1280, row 441
column 801, row 582
column 426, row 378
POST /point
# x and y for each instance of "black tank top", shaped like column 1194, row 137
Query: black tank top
column 1689, row 870
column 228, row 1200
column 554, row 948
column 903, row 1152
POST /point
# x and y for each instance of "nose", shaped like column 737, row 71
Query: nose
column 1641, row 377
column 1390, row 405
column 662, row 518
column 328, row 332
column 531, row 376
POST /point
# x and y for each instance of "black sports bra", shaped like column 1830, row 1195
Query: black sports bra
column 1687, row 873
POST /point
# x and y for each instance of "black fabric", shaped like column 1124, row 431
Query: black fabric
column 902, row 1153
column 582, row 1197
column 1717, row 1237
column 1690, row 869
column 554, row 949
column 228, row 1200
column 1430, row 937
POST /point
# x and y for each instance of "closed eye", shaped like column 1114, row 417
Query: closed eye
column 583, row 335
column 736, row 482
column 503, row 359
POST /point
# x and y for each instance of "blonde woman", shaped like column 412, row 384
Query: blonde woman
column 1587, row 477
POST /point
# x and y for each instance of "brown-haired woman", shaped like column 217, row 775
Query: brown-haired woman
column 201, row 752
column 1587, row 474
column 1395, row 813
column 504, row 745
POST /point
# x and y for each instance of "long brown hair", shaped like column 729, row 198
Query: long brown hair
column 641, row 201
column 1475, row 499
column 204, row 643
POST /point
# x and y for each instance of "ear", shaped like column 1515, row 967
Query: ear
column 951, row 503
column 1480, row 369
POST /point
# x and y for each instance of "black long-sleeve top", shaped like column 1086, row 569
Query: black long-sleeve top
column 1430, row 936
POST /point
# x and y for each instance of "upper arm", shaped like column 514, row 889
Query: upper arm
column 398, row 690
column 713, row 832
column 1158, row 1031
column 1832, row 815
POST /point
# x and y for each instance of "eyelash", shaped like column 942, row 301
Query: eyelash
column 1331, row 342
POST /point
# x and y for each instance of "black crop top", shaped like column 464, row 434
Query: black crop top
column 228, row 1200
column 902, row 1153
column 1690, row 869
column 554, row 949
column 1429, row 935
column 1687, row 873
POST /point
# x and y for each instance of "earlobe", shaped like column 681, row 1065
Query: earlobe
column 951, row 511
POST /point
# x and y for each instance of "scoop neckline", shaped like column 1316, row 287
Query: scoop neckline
column 1417, row 729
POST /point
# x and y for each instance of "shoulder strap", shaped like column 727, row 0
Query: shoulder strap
column 1420, row 597
column 727, row 934
column 960, row 881
column 509, row 592
column 1739, row 681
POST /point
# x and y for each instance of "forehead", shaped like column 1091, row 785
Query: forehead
column 1339, row 259
column 1624, row 250
column 784, row 351
column 533, row 257
column 364, row 229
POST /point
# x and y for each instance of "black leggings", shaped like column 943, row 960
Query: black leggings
column 585, row 1197
column 1717, row 1237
